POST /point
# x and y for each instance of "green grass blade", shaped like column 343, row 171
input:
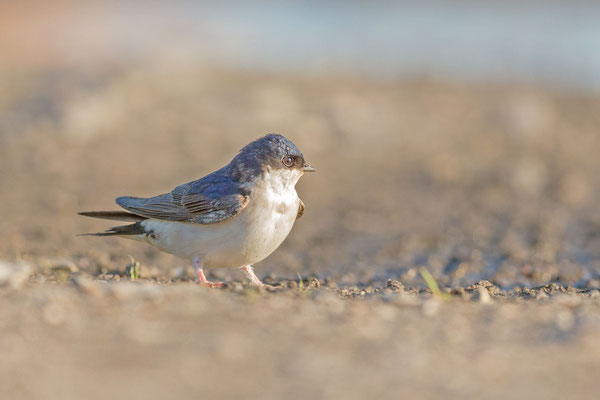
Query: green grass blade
column 432, row 284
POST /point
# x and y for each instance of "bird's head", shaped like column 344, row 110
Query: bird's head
column 272, row 154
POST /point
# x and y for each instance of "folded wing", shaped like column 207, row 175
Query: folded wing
column 211, row 199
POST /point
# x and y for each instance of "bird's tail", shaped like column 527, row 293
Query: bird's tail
column 123, row 230
column 115, row 215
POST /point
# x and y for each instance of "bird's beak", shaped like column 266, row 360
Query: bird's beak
column 308, row 168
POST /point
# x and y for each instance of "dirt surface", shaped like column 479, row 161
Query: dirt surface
column 493, row 189
column 99, row 337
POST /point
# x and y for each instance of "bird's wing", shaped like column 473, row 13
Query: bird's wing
column 300, row 210
column 211, row 199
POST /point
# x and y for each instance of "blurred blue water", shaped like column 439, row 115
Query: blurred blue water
column 547, row 42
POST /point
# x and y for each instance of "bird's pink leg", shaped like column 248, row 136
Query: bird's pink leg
column 252, row 276
column 201, row 277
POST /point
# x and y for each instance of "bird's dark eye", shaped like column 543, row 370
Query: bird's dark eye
column 288, row 161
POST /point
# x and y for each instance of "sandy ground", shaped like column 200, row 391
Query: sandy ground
column 491, row 184
column 97, row 339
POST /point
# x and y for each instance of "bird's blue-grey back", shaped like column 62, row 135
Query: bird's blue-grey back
column 221, row 194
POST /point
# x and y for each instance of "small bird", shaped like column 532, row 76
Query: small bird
column 233, row 217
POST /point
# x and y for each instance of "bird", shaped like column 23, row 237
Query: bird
column 234, row 217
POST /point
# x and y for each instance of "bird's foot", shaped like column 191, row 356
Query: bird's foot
column 254, row 281
column 211, row 284
column 202, row 278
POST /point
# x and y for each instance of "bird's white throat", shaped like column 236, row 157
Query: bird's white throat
column 280, row 180
column 276, row 191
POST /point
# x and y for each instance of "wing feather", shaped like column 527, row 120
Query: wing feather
column 214, row 198
column 300, row 210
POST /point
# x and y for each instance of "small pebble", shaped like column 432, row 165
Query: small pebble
column 14, row 274
column 395, row 285
column 541, row 295
column 64, row 265
column 314, row 283
column 482, row 296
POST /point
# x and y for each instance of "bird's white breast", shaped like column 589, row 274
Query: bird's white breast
column 244, row 239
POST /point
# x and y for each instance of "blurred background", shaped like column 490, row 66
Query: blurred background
column 461, row 136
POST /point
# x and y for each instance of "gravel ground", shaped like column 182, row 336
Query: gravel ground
column 492, row 189
column 112, row 337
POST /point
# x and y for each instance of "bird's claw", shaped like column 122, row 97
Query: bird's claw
column 212, row 284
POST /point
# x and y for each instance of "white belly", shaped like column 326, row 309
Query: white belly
column 244, row 239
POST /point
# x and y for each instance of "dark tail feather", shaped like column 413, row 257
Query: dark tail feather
column 123, row 230
column 116, row 215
